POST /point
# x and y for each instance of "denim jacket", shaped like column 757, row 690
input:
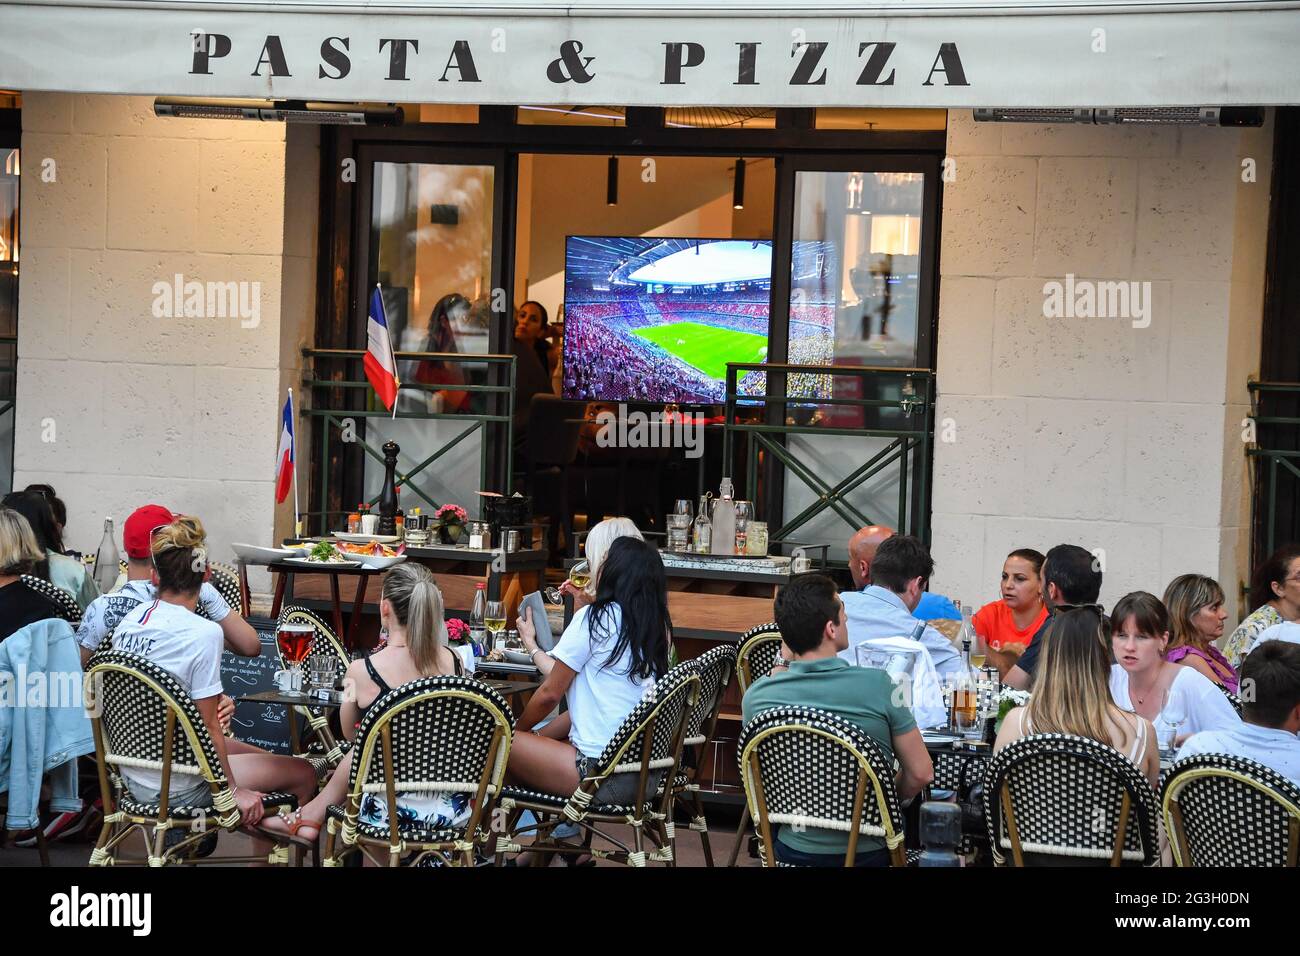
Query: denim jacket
column 43, row 722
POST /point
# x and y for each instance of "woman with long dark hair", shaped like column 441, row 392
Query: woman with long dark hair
column 442, row 338
column 1275, row 597
column 607, row 660
column 57, row 568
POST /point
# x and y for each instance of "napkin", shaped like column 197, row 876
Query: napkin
column 925, row 692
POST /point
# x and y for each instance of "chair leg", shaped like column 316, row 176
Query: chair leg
column 42, row 847
column 698, row 807
column 740, row 836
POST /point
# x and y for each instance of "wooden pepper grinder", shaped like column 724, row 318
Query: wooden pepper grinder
column 387, row 494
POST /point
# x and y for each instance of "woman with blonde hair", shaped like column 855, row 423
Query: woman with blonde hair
column 19, row 554
column 167, row 632
column 411, row 616
column 1196, row 617
column 595, row 547
column 1072, row 694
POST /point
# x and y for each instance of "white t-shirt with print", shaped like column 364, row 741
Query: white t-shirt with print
column 184, row 645
column 104, row 613
column 1202, row 703
column 600, row 697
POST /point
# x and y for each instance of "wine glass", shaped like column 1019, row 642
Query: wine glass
column 494, row 619
column 295, row 642
column 579, row 577
column 1172, row 714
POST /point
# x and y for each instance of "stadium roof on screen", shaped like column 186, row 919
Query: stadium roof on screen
column 709, row 263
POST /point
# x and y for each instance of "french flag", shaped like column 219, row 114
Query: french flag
column 284, row 454
column 381, row 367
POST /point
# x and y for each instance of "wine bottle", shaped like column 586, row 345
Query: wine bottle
column 106, row 559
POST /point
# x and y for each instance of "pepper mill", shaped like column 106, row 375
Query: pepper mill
column 387, row 494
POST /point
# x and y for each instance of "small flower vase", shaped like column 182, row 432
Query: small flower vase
column 450, row 532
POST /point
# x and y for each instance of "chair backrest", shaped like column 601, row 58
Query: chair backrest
column 325, row 645
column 65, row 605
column 756, row 653
column 1063, row 795
column 651, row 736
column 715, row 667
column 141, row 714
column 226, row 580
column 1221, row 810
column 434, row 735
column 807, row 767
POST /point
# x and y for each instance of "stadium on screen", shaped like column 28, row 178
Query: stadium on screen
column 657, row 320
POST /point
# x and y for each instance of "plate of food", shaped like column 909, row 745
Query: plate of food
column 517, row 657
column 366, row 538
column 373, row 554
column 324, row 553
column 255, row 554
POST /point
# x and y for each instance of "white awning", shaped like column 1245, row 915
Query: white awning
column 904, row 53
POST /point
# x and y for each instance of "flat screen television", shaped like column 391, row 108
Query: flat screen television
column 653, row 319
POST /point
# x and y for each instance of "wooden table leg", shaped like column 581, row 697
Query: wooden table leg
column 245, row 598
column 338, row 605
column 281, row 582
column 355, row 620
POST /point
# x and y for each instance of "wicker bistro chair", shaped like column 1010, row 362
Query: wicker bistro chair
column 806, row 767
column 65, row 606
column 755, row 656
column 323, row 743
column 226, row 580
column 432, row 735
column 1062, row 796
column 143, row 718
column 1233, row 699
column 650, row 739
column 714, row 668
column 1221, row 810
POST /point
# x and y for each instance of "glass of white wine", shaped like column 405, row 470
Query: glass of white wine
column 494, row 619
column 979, row 650
column 579, row 577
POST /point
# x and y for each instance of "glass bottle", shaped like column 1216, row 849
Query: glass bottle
column 702, row 530
column 724, row 520
column 965, row 692
column 106, row 559
column 477, row 629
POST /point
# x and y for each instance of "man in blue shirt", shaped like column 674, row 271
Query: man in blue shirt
column 1270, row 713
column 862, row 550
column 900, row 570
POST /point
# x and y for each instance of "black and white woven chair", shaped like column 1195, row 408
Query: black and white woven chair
column 1233, row 699
column 323, row 742
column 65, row 605
column 755, row 655
column 650, row 739
column 445, row 735
column 1221, row 810
column 806, row 767
column 226, row 580
column 714, row 667
column 1058, row 795
column 142, row 718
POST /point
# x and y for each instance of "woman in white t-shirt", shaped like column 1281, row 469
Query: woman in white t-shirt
column 606, row 662
column 1177, row 699
column 167, row 632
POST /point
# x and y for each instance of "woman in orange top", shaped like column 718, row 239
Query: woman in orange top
column 1008, row 625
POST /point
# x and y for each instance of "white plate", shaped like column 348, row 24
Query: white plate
column 377, row 561
column 518, row 657
column 258, row 555
column 366, row 538
column 348, row 562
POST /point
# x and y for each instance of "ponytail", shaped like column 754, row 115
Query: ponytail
column 418, row 605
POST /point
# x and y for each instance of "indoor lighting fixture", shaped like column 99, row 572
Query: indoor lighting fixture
column 738, row 191
column 279, row 111
column 611, row 182
column 1159, row 116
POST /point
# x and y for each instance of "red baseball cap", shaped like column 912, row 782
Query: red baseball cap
column 140, row 526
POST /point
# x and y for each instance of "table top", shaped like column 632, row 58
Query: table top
column 297, row 567
column 506, row 687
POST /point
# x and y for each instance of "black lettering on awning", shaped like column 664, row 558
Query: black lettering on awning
column 463, row 60
column 272, row 54
column 803, row 71
column 678, row 56
column 953, row 73
column 397, row 57
column 335, row 57
column 870, row 75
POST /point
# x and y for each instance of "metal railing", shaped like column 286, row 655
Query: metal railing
column 337, row 418
column 915, row 403
column 1275, row 498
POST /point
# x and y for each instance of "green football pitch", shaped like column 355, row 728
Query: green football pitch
column 707, row 347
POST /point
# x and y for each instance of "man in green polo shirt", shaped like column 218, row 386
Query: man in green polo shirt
column 811, row 617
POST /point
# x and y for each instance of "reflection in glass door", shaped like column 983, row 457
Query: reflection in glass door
column 432, row 238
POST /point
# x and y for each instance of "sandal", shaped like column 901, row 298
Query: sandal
column 295, row 822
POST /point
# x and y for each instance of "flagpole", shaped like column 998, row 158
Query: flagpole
column 397, row 382
column 297, row 520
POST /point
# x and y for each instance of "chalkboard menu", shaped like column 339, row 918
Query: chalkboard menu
column 263, row 725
